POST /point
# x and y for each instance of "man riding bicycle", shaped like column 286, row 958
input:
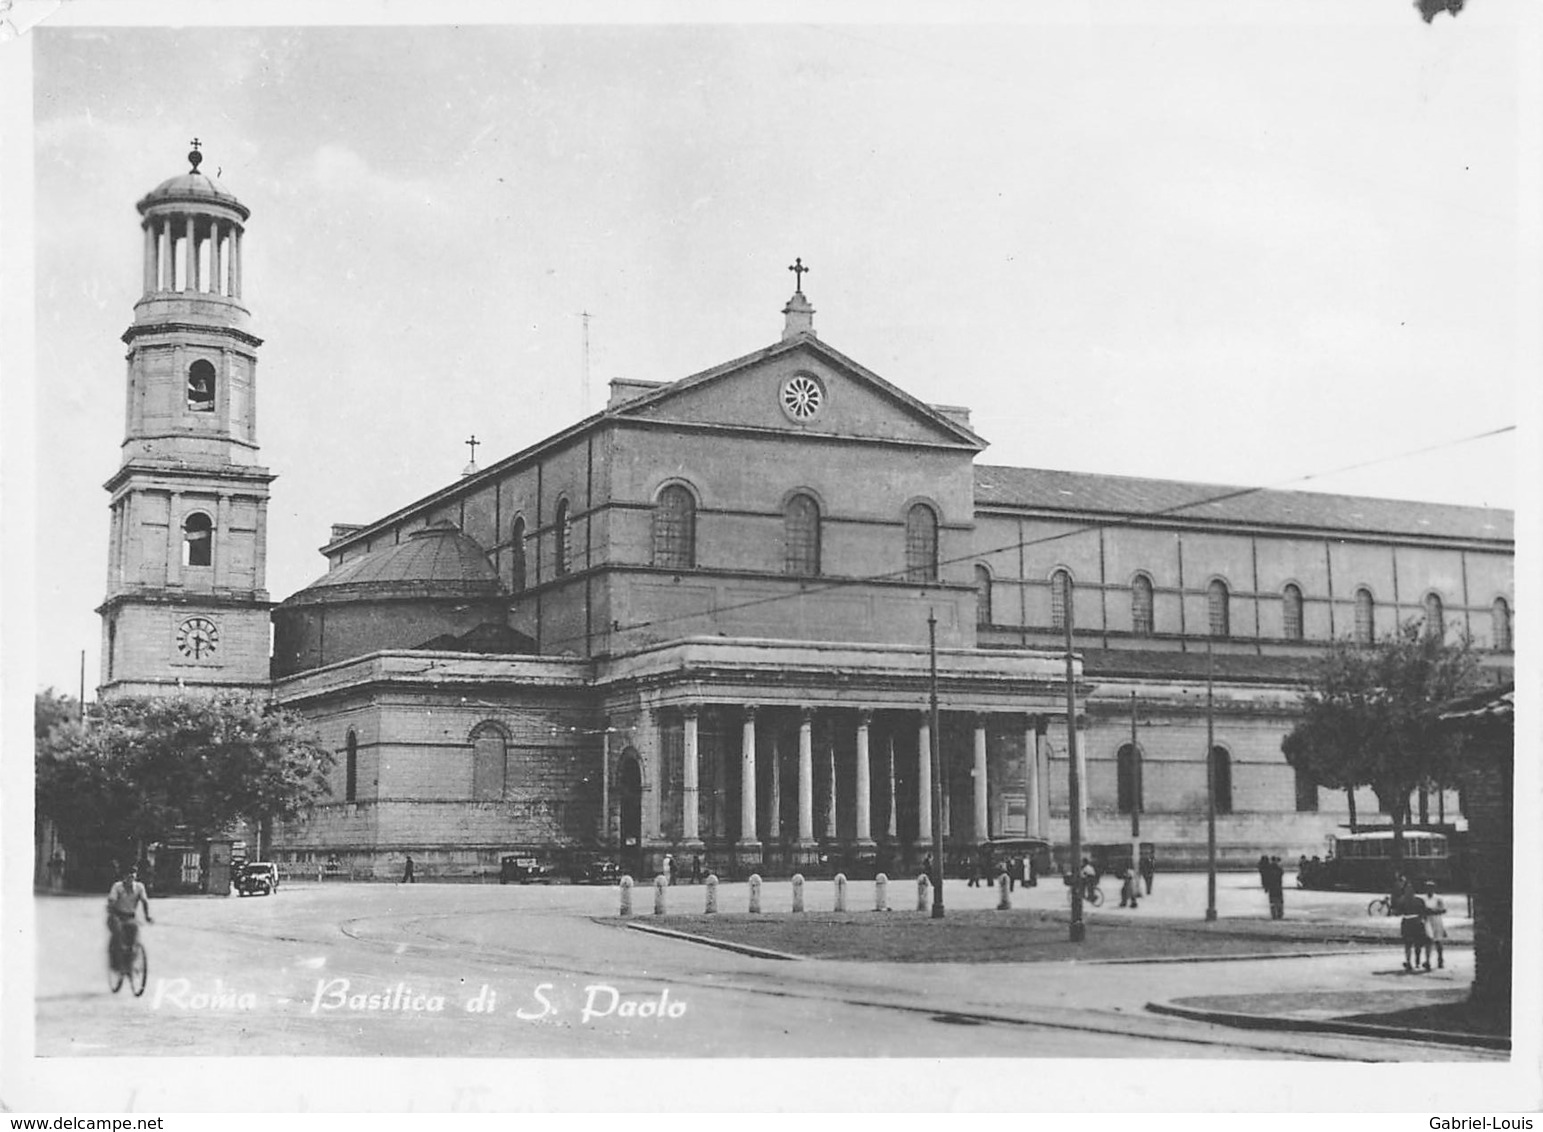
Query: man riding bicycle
column 1089, row 878
column 123, row 901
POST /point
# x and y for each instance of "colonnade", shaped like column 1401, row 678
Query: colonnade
column 175, row 237
column 761, row 820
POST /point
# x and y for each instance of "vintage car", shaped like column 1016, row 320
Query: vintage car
column 599, row 871
column 526, row 868
column 256, row 878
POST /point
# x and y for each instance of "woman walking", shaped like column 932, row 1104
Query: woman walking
column 1435, row 924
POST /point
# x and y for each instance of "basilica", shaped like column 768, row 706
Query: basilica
column 708, row 620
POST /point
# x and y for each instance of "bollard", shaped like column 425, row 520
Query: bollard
column 923, row 892
column 1004, row 901
column 660, row 882
column 626, row 896
column 798, row 892
column 712, row 893
column 881, row 893
column 841, row 892
column 755, row 892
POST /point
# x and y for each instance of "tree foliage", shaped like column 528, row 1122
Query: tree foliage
column 145, row 767
column 1369, row 717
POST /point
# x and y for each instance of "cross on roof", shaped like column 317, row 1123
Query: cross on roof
column 797, row 268
column 472, row 444
column 194, row 157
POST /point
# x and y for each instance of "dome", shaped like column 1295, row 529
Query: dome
column 437, row 561
column 193, row 187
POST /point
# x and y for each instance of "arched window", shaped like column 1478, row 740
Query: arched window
column 1221, row 779
column 197, row 540
column 201, row 387
column 1500, row 625
column 921, row 544
column 489, row 750
column 1365, row 617
column 1435, row 617
column 517, row 556
column 1128, row 780
column 982, row 596
column 1291, row 612
column 1219, row 605
column 801, row 536
column 351, row 768
column 675, row 528
column 564, row 535
column 1141, row 606
column 1061, row 599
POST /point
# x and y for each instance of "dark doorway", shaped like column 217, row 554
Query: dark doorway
column 629, row 790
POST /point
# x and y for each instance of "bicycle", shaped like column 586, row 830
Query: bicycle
column 1091, row 894
column 136, row 968
column 1380, row 907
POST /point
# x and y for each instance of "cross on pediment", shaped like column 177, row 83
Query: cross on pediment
column 797, row 268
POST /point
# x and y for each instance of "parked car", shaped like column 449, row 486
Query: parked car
column 526, row 869
column 599, row 871
column 257, row 878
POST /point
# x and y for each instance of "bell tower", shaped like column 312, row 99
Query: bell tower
column 186, row 599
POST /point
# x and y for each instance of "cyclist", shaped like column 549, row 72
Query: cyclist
column 1089, row 876
column 123, row 901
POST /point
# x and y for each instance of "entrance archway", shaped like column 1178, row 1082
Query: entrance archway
column 629, row 790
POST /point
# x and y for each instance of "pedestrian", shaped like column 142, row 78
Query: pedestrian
column 1264, row 871
column 1435, row 924
column 974, row 881
column 1148, row 867
column 669, row 868
column 927, row 865
column 1015, row 873
column 1411, row 930
column 1277, row 890
column 407, row 871
column 1130, row 888
column 696, row 868
column 1088, row 876
column 1032, row 871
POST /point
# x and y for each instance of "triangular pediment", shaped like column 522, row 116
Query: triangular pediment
column 800, row 386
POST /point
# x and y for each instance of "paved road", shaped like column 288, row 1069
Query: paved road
column 401, row 970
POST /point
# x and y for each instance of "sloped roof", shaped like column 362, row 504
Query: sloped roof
column 1127, row 496
column 439, row 560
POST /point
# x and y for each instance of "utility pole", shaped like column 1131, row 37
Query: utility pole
column 1074, row 780
column 1135, row 790
column 1210, row 783
column 937, row 769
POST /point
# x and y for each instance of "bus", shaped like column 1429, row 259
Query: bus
column 1363, row 862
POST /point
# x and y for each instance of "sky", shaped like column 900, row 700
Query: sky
column 1233, row 252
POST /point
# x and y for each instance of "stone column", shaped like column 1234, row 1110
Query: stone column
column 1031, row 826
column 235, row 263
column 924, row 781
column 190, row 260
column 774, row 818
column 747, row 826
column 893, row 828
column 605, row 784
column 864, row 784
column 216, row 277
column 652, row 766
column 982, row 822
column 806, row 778
column 690, row 788
column 830, row 810
column 149, row 256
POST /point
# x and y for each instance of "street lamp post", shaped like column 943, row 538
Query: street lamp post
column 937, row 769
column 1210, row 784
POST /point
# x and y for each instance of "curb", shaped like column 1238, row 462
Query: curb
column 1238, row 958
column 720, row 944
column 1329, row 1026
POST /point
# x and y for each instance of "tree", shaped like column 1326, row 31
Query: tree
column 1369, row 718
column 144, row 767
